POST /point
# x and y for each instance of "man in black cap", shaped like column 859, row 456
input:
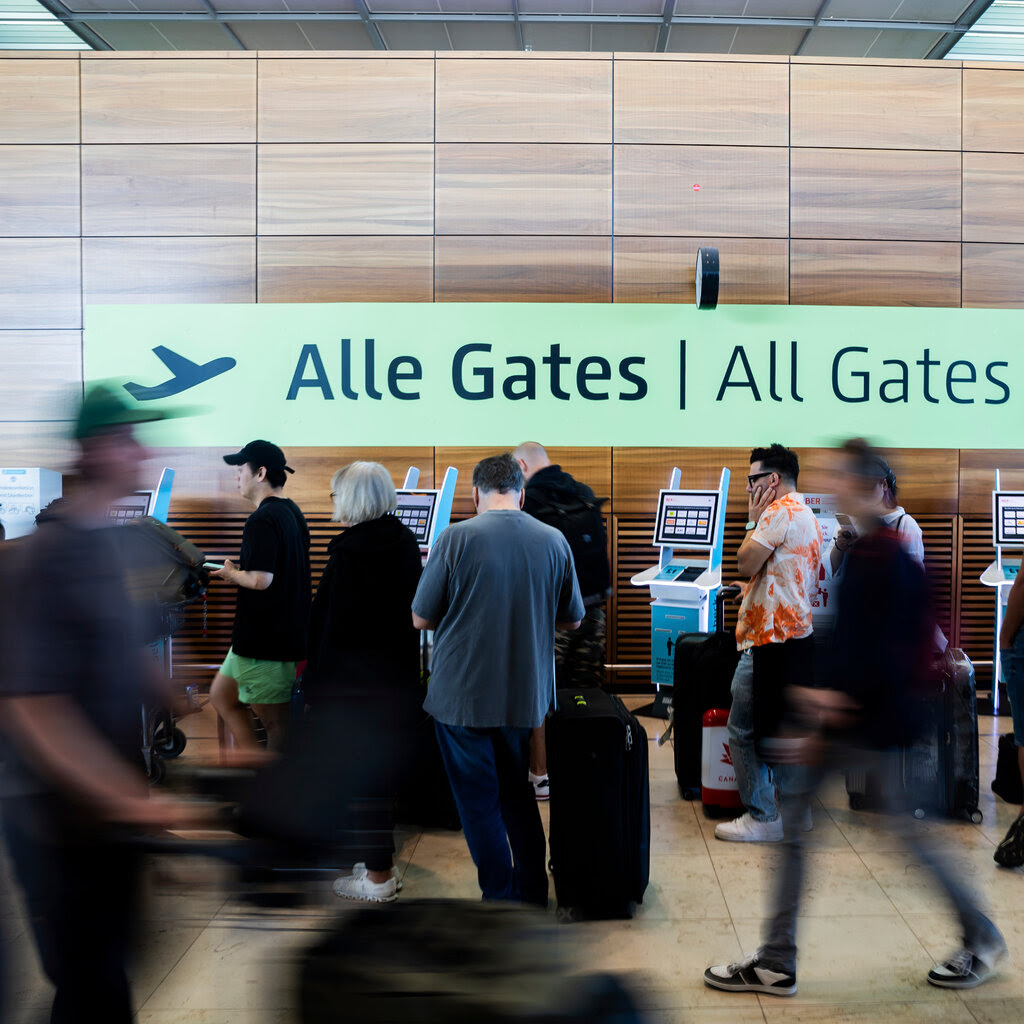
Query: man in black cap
column 272, row 610
column 72, row 680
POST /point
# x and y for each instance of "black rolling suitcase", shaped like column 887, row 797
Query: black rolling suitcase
column 600, row 833
column 939, row 770
column 702, row 679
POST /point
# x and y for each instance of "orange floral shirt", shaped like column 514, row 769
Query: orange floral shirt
column 777, row 604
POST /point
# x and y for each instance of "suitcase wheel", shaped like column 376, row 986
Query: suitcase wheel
column 568, row 915
column 977, row 817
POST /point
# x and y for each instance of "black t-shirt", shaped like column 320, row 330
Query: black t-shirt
column 271, row 624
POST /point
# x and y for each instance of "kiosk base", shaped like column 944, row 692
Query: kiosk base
column 659, row 707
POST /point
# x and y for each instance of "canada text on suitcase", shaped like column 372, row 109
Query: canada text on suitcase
column 600, row 834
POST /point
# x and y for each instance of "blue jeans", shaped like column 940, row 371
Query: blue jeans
column 753, row 777
column 488, row 772
column 1013, row 674
column 797, row 785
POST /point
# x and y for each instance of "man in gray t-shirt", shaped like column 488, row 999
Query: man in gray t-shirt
column 494, row 591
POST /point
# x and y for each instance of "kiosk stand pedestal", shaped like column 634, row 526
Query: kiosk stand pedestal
column 689, row 534
column 1008, row 539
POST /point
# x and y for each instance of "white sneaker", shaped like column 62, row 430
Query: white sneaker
column 359, row 887
column 968, row 969
column 746, row 829
column 541, row 786
column 359, row 871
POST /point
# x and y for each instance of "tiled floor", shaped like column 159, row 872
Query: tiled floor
column 870, row 931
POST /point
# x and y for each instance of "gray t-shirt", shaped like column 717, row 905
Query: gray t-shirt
column 495, row 585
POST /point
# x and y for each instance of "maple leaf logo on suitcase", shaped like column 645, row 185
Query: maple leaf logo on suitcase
column 726, row 755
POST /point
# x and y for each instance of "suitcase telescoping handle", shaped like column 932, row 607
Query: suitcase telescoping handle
column 724, row 594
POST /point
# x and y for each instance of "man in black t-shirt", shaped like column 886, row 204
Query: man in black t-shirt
column 272, row 610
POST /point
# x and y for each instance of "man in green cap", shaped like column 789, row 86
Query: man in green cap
column 74, row 676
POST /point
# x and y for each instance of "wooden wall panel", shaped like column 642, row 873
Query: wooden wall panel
column 886, row 194
column 48, row 445
column 516, row 268
column 701, row 103
column 371, row 189
column 153, row 270
column 168, row 190
column 993, row 110
column 524, row 100
column 169, row 99
column 39, row 100
column 524, row 189
column 354, row 268
column 825, row 272
column 977, row 477
column 41, row 377
column 591, row 465
column 756, row 270
column 40, row 284
column 991, row 275
column 875, row 107
column 743, row 191
column 204, row 481
column 314, row 100
column 39, row 190
column 993, row 185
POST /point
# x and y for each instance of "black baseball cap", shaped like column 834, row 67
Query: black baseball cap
column 259, row 453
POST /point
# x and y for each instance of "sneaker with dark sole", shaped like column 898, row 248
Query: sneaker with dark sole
column 750, row 975
column 967, row 969
column 541, row 786
column 1010, row 852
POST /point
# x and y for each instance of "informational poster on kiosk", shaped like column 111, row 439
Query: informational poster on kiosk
column 23, row 492
column 571, row 373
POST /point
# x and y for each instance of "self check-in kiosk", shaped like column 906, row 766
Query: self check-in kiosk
column 1008, row 540
column 426, row 511
column 155, row 503
column 689, row 533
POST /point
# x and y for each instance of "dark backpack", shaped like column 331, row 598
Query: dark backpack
column 578, row 518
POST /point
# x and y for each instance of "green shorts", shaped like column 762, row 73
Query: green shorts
column 259, row 681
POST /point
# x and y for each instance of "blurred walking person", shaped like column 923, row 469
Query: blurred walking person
column 879, row 671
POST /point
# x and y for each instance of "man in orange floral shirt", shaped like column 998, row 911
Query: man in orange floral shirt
column 780, row 554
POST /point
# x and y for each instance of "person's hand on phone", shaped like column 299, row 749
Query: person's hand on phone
column 760, row 498
column 845, row 538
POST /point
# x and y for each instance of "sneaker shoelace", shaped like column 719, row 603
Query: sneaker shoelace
column 961, row 962
column 741, row 965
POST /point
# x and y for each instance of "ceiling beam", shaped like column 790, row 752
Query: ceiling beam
column 653, row 20
column 964, row 23
column 86, row 34
column 520, row 42
column 817, row 21
column 368, row 21
column 228, row 30
column 666, row 26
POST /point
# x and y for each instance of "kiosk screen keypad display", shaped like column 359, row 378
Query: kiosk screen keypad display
column 1008, row 518
column 686, row 519
column 135, row 506
column 416, row 509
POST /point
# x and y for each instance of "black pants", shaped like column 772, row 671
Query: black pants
column 80, row 895
column 776, row 667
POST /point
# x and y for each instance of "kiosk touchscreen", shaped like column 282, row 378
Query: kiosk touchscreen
column 155, row 503
column 689, row 532
column 1008, row 539
column 416, row 509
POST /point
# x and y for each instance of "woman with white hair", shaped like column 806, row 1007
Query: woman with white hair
column 363, row 668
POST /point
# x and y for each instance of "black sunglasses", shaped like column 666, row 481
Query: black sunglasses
column 757, row 476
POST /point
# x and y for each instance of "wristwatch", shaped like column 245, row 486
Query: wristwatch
column 751, row 523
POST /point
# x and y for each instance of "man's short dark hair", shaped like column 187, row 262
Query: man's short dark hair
column 498, row 473
column 777, row 459
column 275, row 477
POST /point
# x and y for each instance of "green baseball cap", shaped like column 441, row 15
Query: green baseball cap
column 103, row 408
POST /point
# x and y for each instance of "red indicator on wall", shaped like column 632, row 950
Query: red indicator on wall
column 696, row 188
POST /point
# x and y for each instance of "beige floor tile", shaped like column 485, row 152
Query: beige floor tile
column 231, row 1016
column 909, row 884
column 837, row 883
column 989, row 1010
column 682, row 888
column 950, row 1011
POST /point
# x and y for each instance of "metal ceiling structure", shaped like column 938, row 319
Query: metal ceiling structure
column 824, row 28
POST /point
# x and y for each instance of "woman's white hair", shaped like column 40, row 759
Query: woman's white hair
column 362, row 491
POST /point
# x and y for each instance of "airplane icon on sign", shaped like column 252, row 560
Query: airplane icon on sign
column 186, row 374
